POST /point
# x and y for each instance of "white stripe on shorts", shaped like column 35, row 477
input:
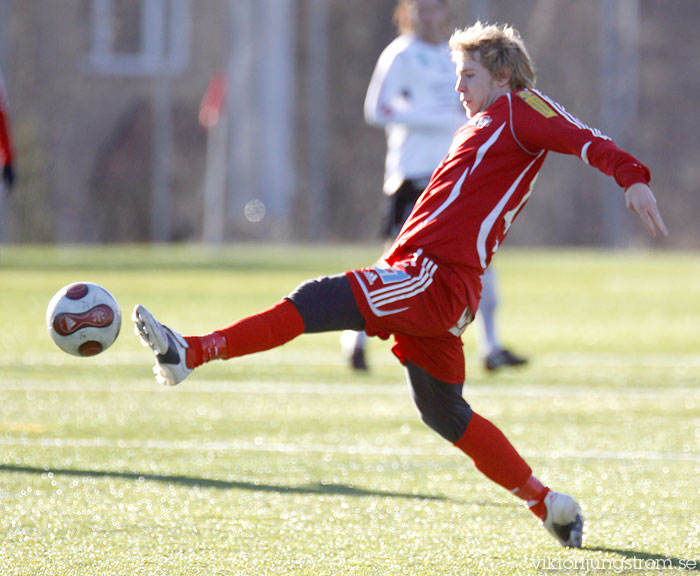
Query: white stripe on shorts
column 383, row 296
column 376, row 299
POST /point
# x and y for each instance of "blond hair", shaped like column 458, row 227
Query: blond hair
column 501, row 51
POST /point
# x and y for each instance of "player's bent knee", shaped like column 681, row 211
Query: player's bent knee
column 450, row 427
column 440, row 405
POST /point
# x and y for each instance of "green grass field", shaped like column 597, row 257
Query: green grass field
column 286, row 463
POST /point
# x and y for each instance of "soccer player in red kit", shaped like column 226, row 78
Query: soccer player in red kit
column 427, row 289
column 6, row 153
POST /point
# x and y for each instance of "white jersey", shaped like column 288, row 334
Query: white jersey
column 412, row 95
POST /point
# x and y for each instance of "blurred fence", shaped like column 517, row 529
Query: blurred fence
column 105, row 100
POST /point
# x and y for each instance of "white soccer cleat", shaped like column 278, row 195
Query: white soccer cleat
column 167, row 345
column 564, row 520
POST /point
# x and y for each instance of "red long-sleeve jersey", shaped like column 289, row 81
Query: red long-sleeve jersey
column 478, row 190
column 6, row 154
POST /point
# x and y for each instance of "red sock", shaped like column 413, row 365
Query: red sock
column 268, row 329
column 496, row 458
column 493, row 454
column 533, row 492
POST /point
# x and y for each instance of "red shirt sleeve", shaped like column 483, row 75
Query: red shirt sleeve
column 539, row 123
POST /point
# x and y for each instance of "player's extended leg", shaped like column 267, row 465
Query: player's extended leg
column 442, row 407
column 320, row 305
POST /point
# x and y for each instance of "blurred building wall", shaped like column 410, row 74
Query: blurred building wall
column 84, row 140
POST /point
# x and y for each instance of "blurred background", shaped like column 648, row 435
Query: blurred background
column 233, row 120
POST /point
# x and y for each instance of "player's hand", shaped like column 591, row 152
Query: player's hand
column 640, row 200
column 8, row 175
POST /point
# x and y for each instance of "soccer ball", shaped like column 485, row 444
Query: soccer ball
column 83, row 319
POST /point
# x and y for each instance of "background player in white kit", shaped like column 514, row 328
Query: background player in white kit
column 411, row 95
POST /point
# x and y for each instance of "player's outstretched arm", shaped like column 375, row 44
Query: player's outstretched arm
column 640, row 200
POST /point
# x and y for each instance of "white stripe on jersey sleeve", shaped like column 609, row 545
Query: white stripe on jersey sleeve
column 584, row 153
column 570, row 117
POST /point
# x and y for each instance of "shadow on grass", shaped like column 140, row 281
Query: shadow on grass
column 660, row 561
column 319, row 488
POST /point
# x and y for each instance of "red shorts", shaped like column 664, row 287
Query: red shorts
column 424, row 306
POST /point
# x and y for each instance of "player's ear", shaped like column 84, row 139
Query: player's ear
column 503, row 79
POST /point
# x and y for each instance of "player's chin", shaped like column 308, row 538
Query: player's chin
column 469, row 109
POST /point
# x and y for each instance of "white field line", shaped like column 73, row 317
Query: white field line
column 205, row 386
column 594, row 360
column 306, row 358
column 258, row 445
